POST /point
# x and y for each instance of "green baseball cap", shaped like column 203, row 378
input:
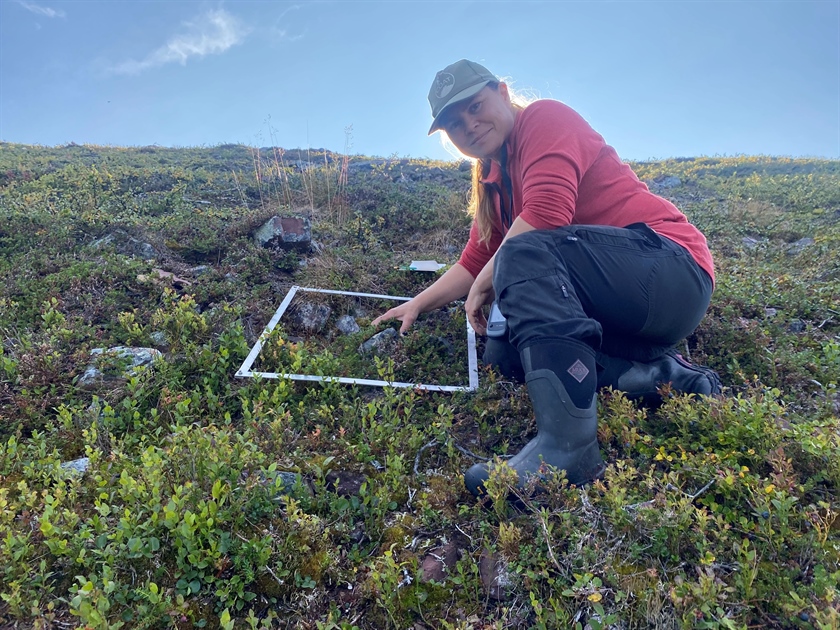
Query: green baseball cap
column 456, row 82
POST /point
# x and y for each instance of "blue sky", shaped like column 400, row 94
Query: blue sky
column 657, row 79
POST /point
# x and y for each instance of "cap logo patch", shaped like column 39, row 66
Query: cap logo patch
column 444, row 82
column 578, row 371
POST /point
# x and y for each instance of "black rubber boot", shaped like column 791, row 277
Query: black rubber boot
column 566, row 433
column 642, row 380
column 501, row 355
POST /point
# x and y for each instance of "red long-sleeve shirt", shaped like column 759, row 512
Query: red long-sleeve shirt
column 562, row 172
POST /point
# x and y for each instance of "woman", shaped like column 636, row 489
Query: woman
column 596, row 277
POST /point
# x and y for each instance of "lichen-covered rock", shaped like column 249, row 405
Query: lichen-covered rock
column 380, row 342
column 666, row 181
column 293, row 233
column 438, row 562
column 77, row 466
column 345, row 482
column 799, row 246
column 131, row 360
column 124, row 243
column 495, row 575
column 347, row 325
column 310, row 317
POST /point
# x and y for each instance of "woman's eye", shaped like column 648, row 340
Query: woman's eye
column 453, row 126
column 475, row 107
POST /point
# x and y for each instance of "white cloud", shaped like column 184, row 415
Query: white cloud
column 211, row 34
column 39, row 10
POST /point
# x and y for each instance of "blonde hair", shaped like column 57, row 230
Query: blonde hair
column 481, row 206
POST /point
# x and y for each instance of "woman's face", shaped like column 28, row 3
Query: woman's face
column 479, row 126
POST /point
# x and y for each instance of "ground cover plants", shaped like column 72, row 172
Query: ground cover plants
column 200, row 500
column 331, row 335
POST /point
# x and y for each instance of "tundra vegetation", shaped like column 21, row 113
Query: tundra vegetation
column 209, row 501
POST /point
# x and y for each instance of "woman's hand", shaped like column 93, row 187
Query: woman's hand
column 481, row 293
column 450, row 286
column 407, row 313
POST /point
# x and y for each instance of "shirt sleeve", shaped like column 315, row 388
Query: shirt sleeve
column 555, row 148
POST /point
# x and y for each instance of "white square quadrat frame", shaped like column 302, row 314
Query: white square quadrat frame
column 246, row 372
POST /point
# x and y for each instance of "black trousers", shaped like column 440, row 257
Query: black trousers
column 626, row 292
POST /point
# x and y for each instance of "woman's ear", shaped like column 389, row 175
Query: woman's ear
column 503, row 90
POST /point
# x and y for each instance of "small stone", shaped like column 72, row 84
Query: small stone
column 345, row 483
column 438, row 562
column 379, row 342
column 77, row 466
column 158, row 338
column 799, row 246
column 347, row 325
column 311, row 317
column 124, row 243
column 750, row 243
column 494, row 575
column 90, row 376
column 667, row 181
column 134, row 358
column 797, row 326
column 770, row 312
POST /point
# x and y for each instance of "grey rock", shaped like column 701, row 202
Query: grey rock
column 365, row 166
column 311, row 317
column 667, row 181
column 347, row 325
column 797, row 326
column 316, row 247
column 158, row 338
column 77, row 466
column 293, row 233
column 302, row 165
column 136, row 359
column 91, row 375
column 770, row 312
column 495, row 575
column 124, row 243
column 289, row 480
column 201, row 269
column 344, row 482
column 380, row 342
column 799, row 246
column 751, row 243
column 439, row 562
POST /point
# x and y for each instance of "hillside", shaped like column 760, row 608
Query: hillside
column 176, row 494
